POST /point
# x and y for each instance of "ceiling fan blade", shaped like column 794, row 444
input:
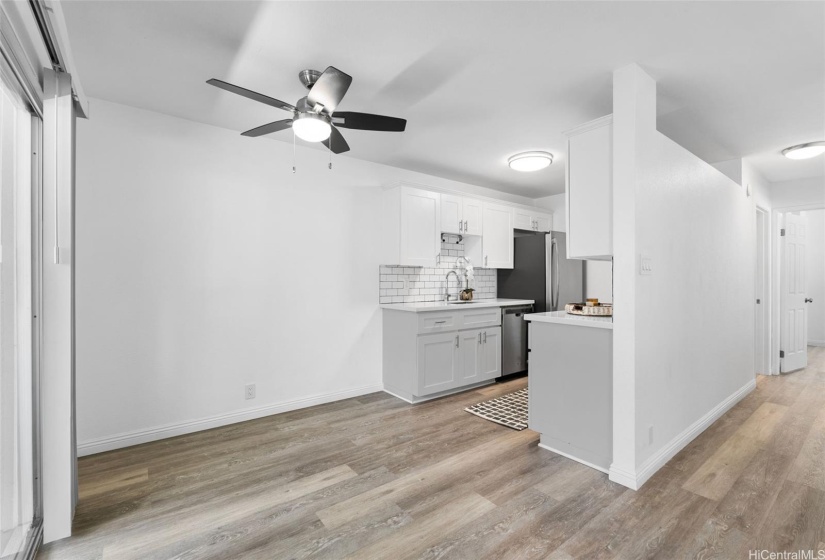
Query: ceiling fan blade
column 329, row 90
column 366, row 121
column 268, row 128
column 248, row 93
column 336, row 142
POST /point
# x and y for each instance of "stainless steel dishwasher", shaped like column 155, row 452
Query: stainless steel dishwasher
column 514, row 339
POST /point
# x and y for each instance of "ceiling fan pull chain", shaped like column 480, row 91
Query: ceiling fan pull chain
column 330, row 155
column 293, row 150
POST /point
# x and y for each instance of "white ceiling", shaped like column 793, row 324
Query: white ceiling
column 477, row 81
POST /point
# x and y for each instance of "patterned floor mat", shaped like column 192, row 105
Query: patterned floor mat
column 508, row 410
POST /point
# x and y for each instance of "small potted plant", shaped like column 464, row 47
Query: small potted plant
column 467, row 293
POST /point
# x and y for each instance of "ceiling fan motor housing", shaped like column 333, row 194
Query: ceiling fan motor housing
column 309, row 77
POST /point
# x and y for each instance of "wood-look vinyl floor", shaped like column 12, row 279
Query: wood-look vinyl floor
column 374, row 477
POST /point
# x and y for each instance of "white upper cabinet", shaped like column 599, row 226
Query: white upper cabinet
column 472, row 216
column 497, row 236
column 532, row 220
column 412, row 220
column 460, row 215
column 452, row 215
column 544, row 222
column 523, row 219
column 589, row 188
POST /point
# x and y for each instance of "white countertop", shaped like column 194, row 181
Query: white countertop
column 564, row 318
column 441, row 306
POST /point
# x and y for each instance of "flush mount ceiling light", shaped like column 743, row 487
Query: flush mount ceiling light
column 530, row 161
column 311, row 127
column 804, row 151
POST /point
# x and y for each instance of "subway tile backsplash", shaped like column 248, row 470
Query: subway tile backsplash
column 404, row 284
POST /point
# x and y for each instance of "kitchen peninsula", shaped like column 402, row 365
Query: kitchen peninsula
column 571, row 385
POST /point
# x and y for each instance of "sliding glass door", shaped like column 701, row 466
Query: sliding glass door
column 19, row 453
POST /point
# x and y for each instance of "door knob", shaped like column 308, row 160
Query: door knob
column 809, row 300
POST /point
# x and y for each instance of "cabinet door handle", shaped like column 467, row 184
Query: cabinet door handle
column 456, row 341
column 479, row 338
column 485, row 260
column 485, row 337
column 441, row 322
column 460, row 224
column 465, row 226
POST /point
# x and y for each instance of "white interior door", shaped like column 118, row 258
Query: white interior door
column 760, row 315
column 793, row 313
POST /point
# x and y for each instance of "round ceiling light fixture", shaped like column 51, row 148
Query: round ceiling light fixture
column 804, row 151
column 311, row 127
column 530, row 161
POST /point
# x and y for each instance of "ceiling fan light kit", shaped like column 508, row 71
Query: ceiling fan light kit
column 311, row 127
column 312, row 116
column 530, row 161
column 804, row 151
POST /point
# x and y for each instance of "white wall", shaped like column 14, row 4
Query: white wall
column 598, row 274
column 674, row 373
column 816, row 276
column 204, row 264
column 798, row 192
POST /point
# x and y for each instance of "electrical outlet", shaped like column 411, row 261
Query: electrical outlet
column 249, row 391
column 650, row 435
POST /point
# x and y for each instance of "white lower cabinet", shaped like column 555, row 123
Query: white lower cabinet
column 438, row 362
column 452, row 360
column 469, row 357
column 490, row 350
column 429, row 356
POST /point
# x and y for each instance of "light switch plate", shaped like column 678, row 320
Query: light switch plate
column 645, row 265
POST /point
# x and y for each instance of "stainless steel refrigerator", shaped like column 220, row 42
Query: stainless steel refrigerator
column 542, row 272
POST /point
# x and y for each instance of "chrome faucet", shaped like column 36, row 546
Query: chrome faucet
column 447, row 285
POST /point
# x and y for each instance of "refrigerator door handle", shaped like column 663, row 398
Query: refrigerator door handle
column 554, row 251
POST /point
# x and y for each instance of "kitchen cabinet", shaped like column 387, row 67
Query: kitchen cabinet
column 480, row 355
column 438, row 362
column 461, row 215
column 589, row 189
column 414, row 219
column 497, row 236
column 532, row 220
column 544, row 222
column 435, row 353
column 457, row 359
column 490, row 350
column 411, row 226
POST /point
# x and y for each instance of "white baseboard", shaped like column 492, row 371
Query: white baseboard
column 128, row 439
column 412, row 399
column 582, row 461
column 816, row 343
column 635, row 480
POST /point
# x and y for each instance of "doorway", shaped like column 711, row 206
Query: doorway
column 20, row 503
column 800, row 320
column 761, row 330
